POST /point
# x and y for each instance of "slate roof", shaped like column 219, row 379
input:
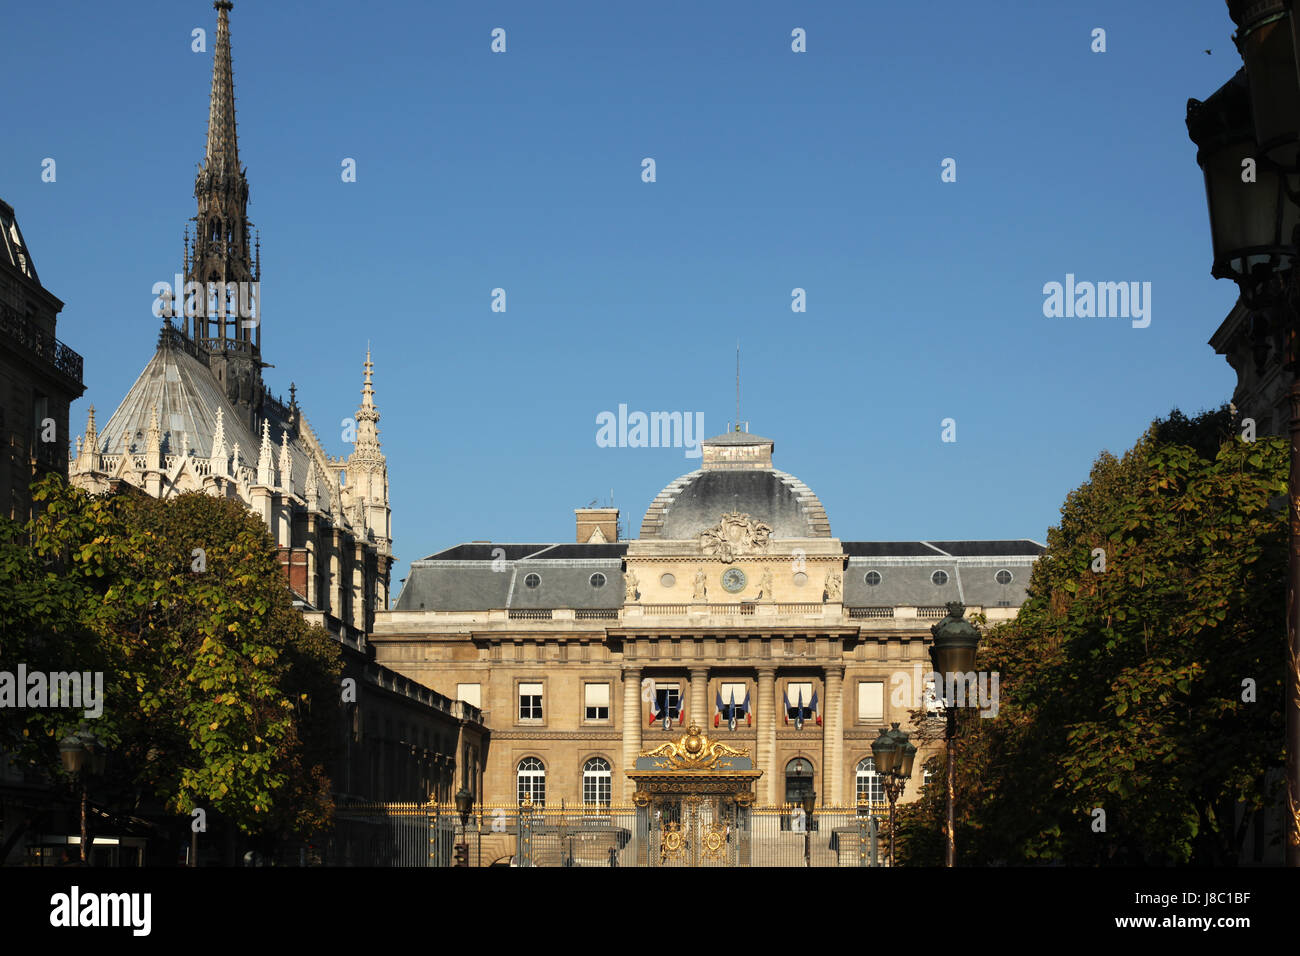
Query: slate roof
column 481, row 576
column 465, row 578
column 187, row 396
column 12, row 246
column 696, row 500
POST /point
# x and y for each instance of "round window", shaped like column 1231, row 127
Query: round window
column 800, row 579
column 940, row 578
column 1003, row 576
column 872, row 578
column 597, row 580
column 532, row 581
column 667, row 580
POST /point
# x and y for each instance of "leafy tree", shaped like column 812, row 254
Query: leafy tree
column 218, row 694
column 1150, row 686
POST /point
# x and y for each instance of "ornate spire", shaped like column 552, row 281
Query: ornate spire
column 310, row 491
column 92, row 436
column 286, row 463
column 223, row 149
column 367, row 443
column 264, row 456
column 220, row 252
column 153, row 442
column 218, row 457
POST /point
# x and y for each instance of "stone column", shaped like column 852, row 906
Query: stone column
column 833, row 738
column 699, row 712
column 767, row 736
column 631, row 725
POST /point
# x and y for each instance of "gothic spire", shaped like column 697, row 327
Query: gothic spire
column 223, row 149
column 367, row 442
column 220, row 252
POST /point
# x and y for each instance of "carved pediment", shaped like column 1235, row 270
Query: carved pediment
column 735, row 535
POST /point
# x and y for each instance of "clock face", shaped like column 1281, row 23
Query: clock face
column 733, row 579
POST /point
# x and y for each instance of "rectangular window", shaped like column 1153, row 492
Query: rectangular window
column 795, row 692
column 597, row 701
column 469, row 693
column 667, row 695
column 871, row 701
column 530, row 701
column 730, row 692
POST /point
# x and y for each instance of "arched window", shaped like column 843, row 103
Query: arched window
column 798, row 780
column 870, row 786
column 531, row 778
column 596, row 788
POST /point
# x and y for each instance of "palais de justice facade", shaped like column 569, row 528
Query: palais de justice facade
column 736, row 609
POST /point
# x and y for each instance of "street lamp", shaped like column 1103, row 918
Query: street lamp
column 1247, row 136
column 464, row 805
column 81, row 756
column 893, row 755
column 953, row 654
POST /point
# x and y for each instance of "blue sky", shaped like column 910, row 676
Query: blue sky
column 775, row 170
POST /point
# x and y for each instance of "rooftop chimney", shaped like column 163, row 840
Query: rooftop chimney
column 597, row 525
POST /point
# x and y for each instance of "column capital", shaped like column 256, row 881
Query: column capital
column 631, row 671
column 833, row 670
column 766, row 670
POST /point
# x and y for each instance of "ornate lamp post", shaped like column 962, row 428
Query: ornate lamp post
column 953, row 654
column 81, row 756
column 809, row 801
column 1247, row 134
column 464, row 806
column 893, row 755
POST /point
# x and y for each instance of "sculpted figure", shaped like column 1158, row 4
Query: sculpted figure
column 834, row 587
column 630, row 583
column 701, row 587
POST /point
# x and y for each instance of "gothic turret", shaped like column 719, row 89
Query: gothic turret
column 367, row 468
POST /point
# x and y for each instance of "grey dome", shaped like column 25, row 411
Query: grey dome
column 698, row 500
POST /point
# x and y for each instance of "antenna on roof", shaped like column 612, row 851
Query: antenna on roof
column 737, row 384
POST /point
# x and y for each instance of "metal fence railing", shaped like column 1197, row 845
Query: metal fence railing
column 415, row 834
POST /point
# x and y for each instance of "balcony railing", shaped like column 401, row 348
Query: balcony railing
column 596, row 614
column 530, row 614
column 25, row 333
column 871, row 612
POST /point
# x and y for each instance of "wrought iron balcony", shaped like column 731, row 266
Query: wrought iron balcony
column 26, row 334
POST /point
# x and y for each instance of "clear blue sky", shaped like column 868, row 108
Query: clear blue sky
column 775, row 170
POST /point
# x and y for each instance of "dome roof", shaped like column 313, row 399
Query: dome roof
column 737, row 475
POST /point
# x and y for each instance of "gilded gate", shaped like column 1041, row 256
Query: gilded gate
column 693, row 801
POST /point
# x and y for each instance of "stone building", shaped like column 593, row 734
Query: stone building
column 200, row 418
column 736, row 609
column 1263, row 383
column 40, row 377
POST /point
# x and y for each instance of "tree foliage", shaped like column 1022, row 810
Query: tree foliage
column 1152, row 690
column 218, row 694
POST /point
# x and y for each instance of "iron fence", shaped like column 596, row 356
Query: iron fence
column 426, row 834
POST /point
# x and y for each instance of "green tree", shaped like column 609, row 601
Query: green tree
column 1154, row 617
column 218, row 694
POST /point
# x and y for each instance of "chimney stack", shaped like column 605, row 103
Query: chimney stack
column 597, row 525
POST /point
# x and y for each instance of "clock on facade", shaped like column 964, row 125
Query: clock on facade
column 733, row 579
